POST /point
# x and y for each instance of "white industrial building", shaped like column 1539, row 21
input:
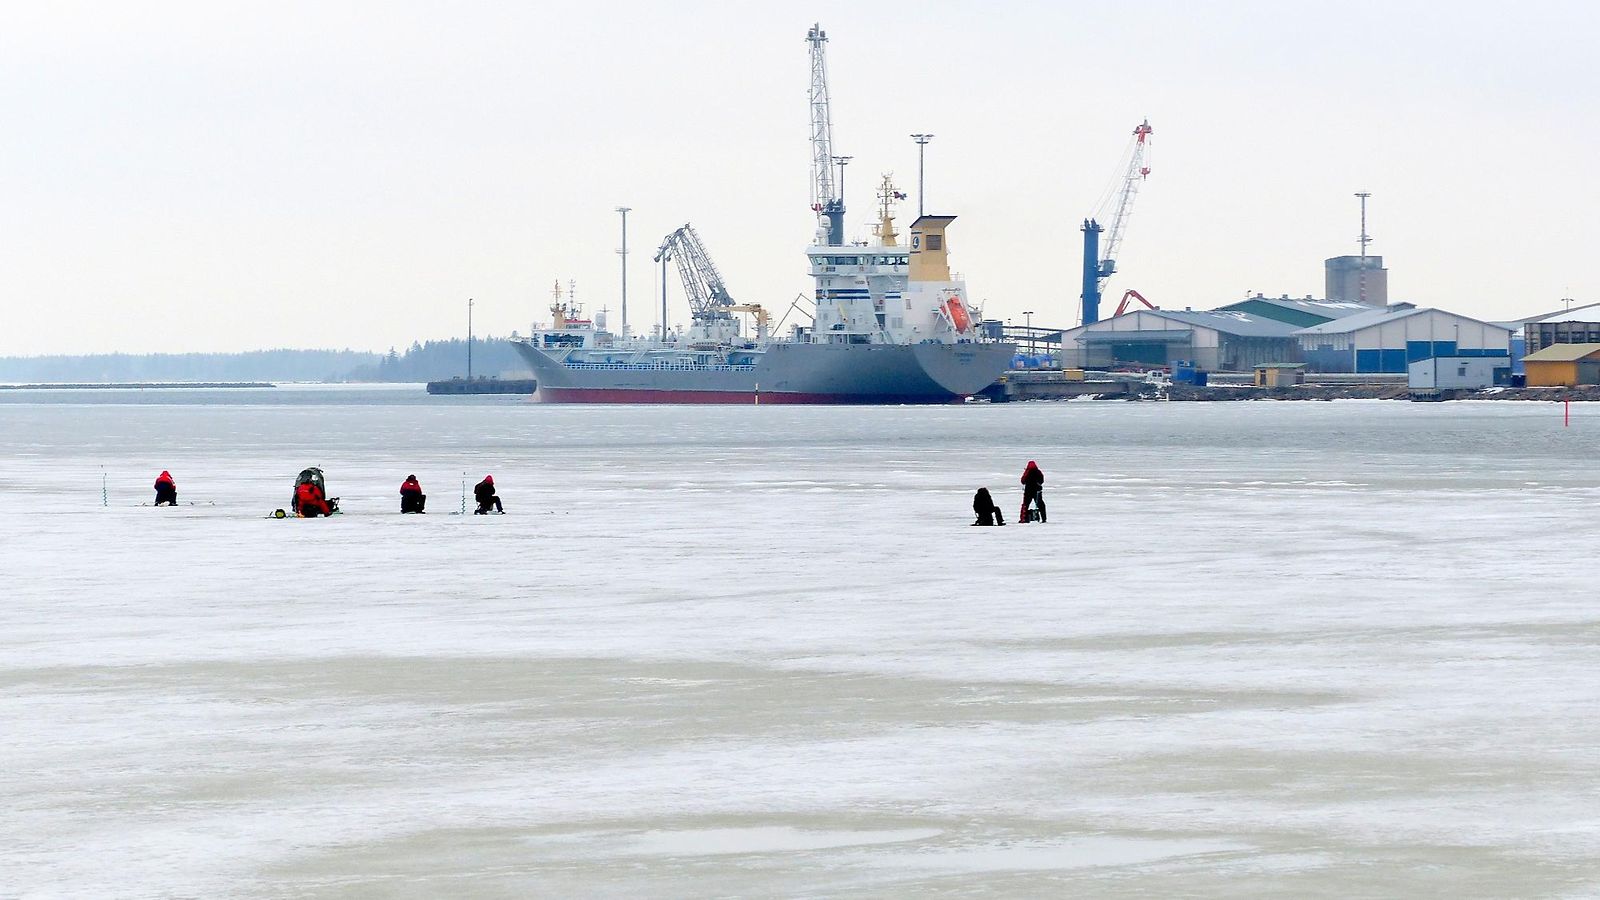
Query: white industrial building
column 1443, row 373
column 1217, row 341
column 1388, row 340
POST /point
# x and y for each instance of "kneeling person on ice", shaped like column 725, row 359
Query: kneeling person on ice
column 309, row 502
column 484, row 492
column 412, row 499
column 166, row 489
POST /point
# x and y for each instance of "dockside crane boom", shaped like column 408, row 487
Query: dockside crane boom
column 702, row 283
column 826, row 197
column 1132, row 179
column 1097, row 266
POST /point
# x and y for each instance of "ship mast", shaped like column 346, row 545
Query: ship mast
column 887, row 195
column 558, row 313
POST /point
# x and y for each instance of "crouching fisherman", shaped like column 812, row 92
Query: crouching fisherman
column 309, row 501
column 984, row 506
column 412, row 499
column 483, row 491
column 166, row 489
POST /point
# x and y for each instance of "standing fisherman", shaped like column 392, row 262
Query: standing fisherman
column 1032, row 490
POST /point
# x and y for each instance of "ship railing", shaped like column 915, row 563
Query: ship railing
column 658, row 367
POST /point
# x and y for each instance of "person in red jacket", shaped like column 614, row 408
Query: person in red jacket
column 1032, row 490
column 166, row 489
column 309, row 502
column 412, row 499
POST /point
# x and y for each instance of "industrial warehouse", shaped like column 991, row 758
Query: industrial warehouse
column 1353, row 332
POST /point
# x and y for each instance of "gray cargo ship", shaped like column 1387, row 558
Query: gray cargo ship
column 891, row 325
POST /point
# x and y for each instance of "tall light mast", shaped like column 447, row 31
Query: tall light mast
column 1364, row 240
column 825, row 199
column 624, row 210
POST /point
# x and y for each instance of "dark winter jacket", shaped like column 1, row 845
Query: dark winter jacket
column 984, row 505
column 982, row 502
column 484, row 491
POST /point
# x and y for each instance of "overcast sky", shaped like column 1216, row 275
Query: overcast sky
column 221, row 176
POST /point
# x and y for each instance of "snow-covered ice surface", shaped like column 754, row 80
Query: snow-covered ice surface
column 1260, row 649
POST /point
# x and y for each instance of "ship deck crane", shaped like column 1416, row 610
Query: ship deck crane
column 702, row 284
column 1099, row 267
column 709, row 299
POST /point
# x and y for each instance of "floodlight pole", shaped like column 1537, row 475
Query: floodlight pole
column 922, row 147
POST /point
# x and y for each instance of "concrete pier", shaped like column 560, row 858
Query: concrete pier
column 1049, row 384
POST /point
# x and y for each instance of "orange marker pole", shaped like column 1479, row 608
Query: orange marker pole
column 1566, row 418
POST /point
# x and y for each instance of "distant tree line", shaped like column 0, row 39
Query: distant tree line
column 256, row 365
column 430, row 361
column 439, row 360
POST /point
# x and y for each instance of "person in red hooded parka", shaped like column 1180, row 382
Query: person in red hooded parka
column 309, row 502
column 412, row 499
column 166, row 489
column 484, row 493
column 1032, row 490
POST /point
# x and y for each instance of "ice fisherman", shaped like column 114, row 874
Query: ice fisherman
column 412, row 499
column 309, row 501
column 483, row 491
column 1032, row 490
column 984, row 506
column 166, row 489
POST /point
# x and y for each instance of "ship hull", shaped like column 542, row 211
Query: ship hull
column 785, row 373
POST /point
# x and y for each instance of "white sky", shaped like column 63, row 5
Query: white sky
column 221, row 176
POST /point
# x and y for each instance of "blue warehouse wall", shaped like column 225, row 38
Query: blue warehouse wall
column 1327, row 359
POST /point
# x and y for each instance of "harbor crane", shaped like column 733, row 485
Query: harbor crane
column 1099, row 267
column 708, row 296
column 1128, row 297
column 827, row 197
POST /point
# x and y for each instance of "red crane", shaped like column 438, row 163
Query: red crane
column 1131, row 294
